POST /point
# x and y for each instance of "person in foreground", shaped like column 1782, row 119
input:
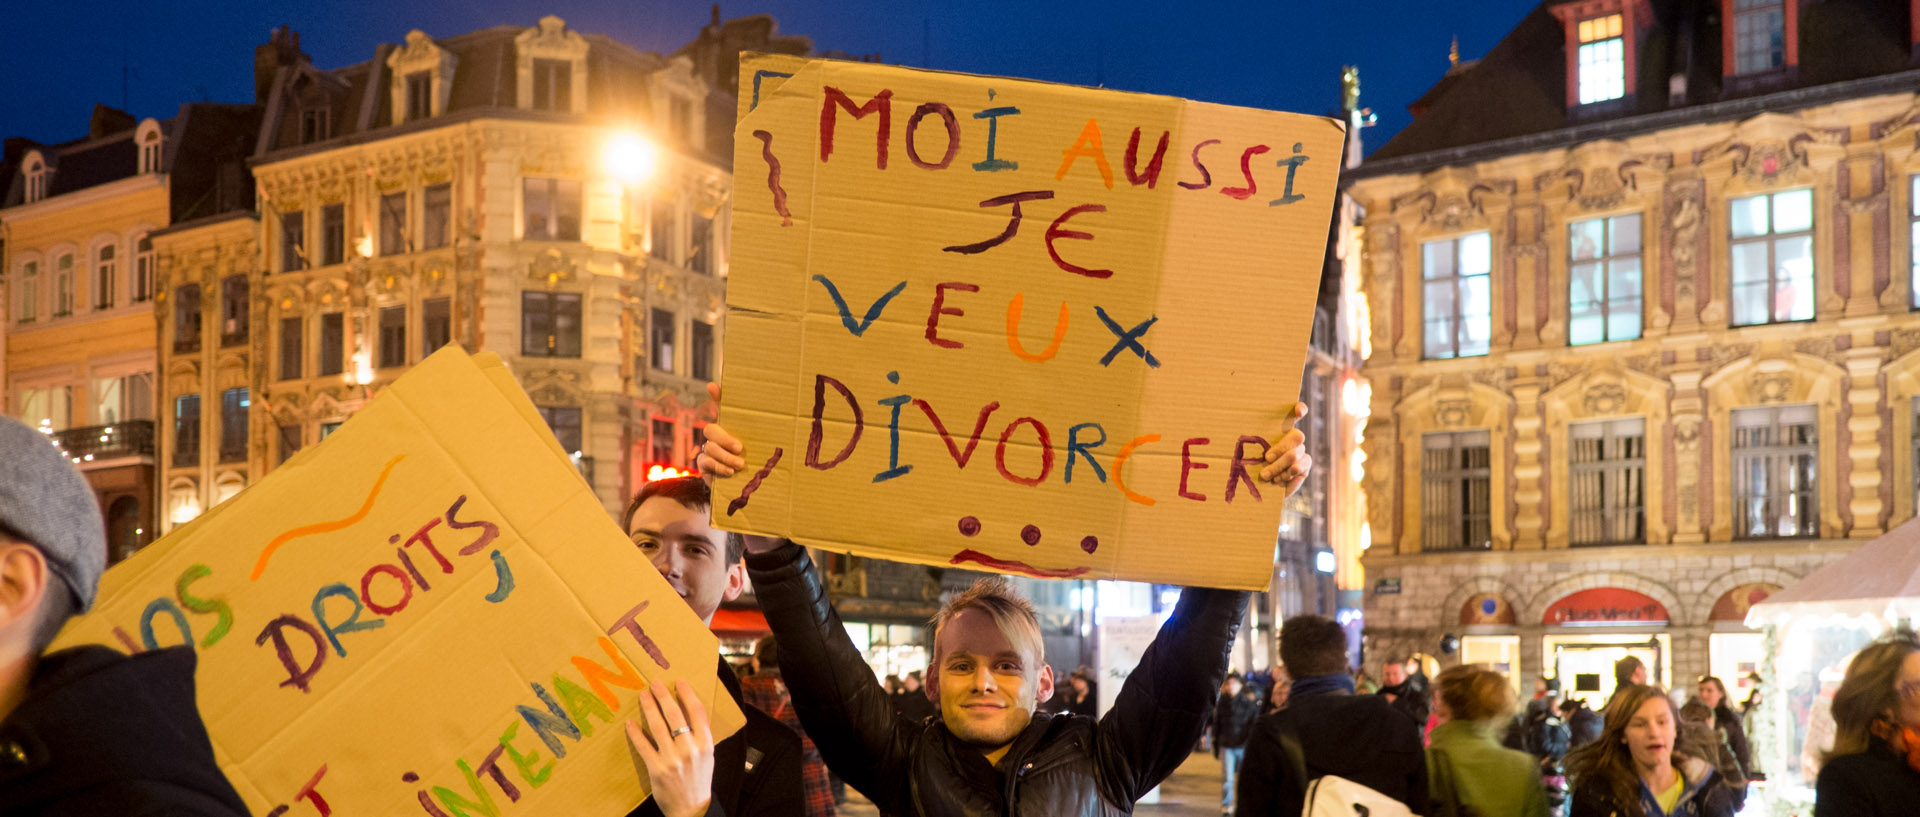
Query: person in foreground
column 992, row 751
column 87, row 730
column 1362, row 738
column 1470, row 771
column 1874, row 767
column 1633, row 770
column 757, row 770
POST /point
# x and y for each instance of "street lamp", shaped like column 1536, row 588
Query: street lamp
column 630, row 158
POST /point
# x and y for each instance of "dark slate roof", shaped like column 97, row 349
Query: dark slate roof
column 205, row 148
column 484, row 83
column 1518, row 90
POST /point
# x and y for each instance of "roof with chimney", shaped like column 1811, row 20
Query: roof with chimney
column 204, row 147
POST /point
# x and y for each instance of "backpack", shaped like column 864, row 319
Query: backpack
column 1332, row 795
column 1546, row 736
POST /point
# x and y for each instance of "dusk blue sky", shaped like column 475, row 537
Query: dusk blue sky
column 60, row 59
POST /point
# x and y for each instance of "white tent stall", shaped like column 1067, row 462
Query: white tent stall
column 1813, row 628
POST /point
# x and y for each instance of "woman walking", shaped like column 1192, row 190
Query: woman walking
column 1468, row 770
column 1632, row 770
column 1874, row 767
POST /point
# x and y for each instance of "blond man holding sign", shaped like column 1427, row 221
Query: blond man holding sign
column 992, row 751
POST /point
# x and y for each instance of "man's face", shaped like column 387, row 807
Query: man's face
column 1395, row 673
column 688, row 552
column 912, row 684
column 988, row 689
column 1640, row 674
column 1233, row 687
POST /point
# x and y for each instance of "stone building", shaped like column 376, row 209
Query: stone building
column 1642, row 286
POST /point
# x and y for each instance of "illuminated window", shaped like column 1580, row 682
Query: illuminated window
column 1607, row 492
column 1759, row 35
column 1603, row 281
column 105, row 267
column 1771, row 252
column 1458, row 298
column 1602, row 59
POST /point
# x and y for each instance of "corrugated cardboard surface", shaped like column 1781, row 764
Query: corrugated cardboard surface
column 439, row 680
column 1230, row 277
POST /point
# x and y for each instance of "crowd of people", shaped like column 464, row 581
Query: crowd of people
column 972, row 736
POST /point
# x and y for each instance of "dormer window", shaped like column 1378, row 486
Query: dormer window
column 1602, row 59
column 1600, row 48
column 550, row 68
column 316, row 125
column 553, row 85
column 419, row 95
column 1760, row 35
column 420, row 74
column 36, row 178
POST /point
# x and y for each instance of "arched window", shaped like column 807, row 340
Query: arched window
column 143, row 269
column 150, row 141
column 105, row 276
column 36, row 177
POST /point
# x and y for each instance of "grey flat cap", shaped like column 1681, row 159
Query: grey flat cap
column 44, row 501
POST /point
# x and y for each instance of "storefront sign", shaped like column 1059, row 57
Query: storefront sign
column 1606, row 605
column 1015, row 326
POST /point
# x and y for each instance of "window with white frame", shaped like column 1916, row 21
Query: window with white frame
column 1770, row 251
column 105, row 278
column 150, row 144
column 1602, row 59
column 1913, row 238
column 36, row 173
column 50, row 407
column 1456, row 493
column 1458, row 296
column 186, row 430
column 1607, row 489
column 552, row 85
column 120, row 399
column 436, row 208
column 63, row 286
column 419, row 95
column 143, row 269
column 27, row 301
column 1775, row 469
column 1603, row 280
column 333, row 234
column 293, row 241
column 660, row 336
column 1759, row 35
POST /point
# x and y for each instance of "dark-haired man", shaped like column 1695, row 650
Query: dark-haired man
column 84, row 730
column 1358, row 737
column 757, row 770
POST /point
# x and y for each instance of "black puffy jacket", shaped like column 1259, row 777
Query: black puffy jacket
column 1059, row 765
column 104, row 733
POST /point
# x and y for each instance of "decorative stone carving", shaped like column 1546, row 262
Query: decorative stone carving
column 1770, row 387
column 1604, row 398
column 1451, row 412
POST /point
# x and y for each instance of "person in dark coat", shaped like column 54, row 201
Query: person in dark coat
column 86, row 730
column 1583, row 725
column 1359, row 737
column 1713, row 694
column 991, row 751
column 1873, row 769
column 1640, row 768
column 1233, row 719
column 756, row 770
column 1082, row 696
column 1409, row 693
column 914, row 701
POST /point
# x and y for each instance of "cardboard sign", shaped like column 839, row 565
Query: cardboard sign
column 1015, row 326
column 428, row 613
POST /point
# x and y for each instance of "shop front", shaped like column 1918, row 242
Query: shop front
column 1589, row 631
column 1735, row 652
column 1488, row 637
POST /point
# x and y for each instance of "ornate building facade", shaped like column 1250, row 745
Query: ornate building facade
column 1643, row 333
column 552, row 197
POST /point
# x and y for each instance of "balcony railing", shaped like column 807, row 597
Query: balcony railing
column 131, row 438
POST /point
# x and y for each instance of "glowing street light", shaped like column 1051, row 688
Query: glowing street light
column 630, row 158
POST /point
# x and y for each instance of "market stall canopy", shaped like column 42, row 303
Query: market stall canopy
column 1881, row 579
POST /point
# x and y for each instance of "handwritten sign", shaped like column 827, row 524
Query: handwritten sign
column 428, row 613
column 1016, row 326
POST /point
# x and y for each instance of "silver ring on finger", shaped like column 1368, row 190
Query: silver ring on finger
column 678, row 732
